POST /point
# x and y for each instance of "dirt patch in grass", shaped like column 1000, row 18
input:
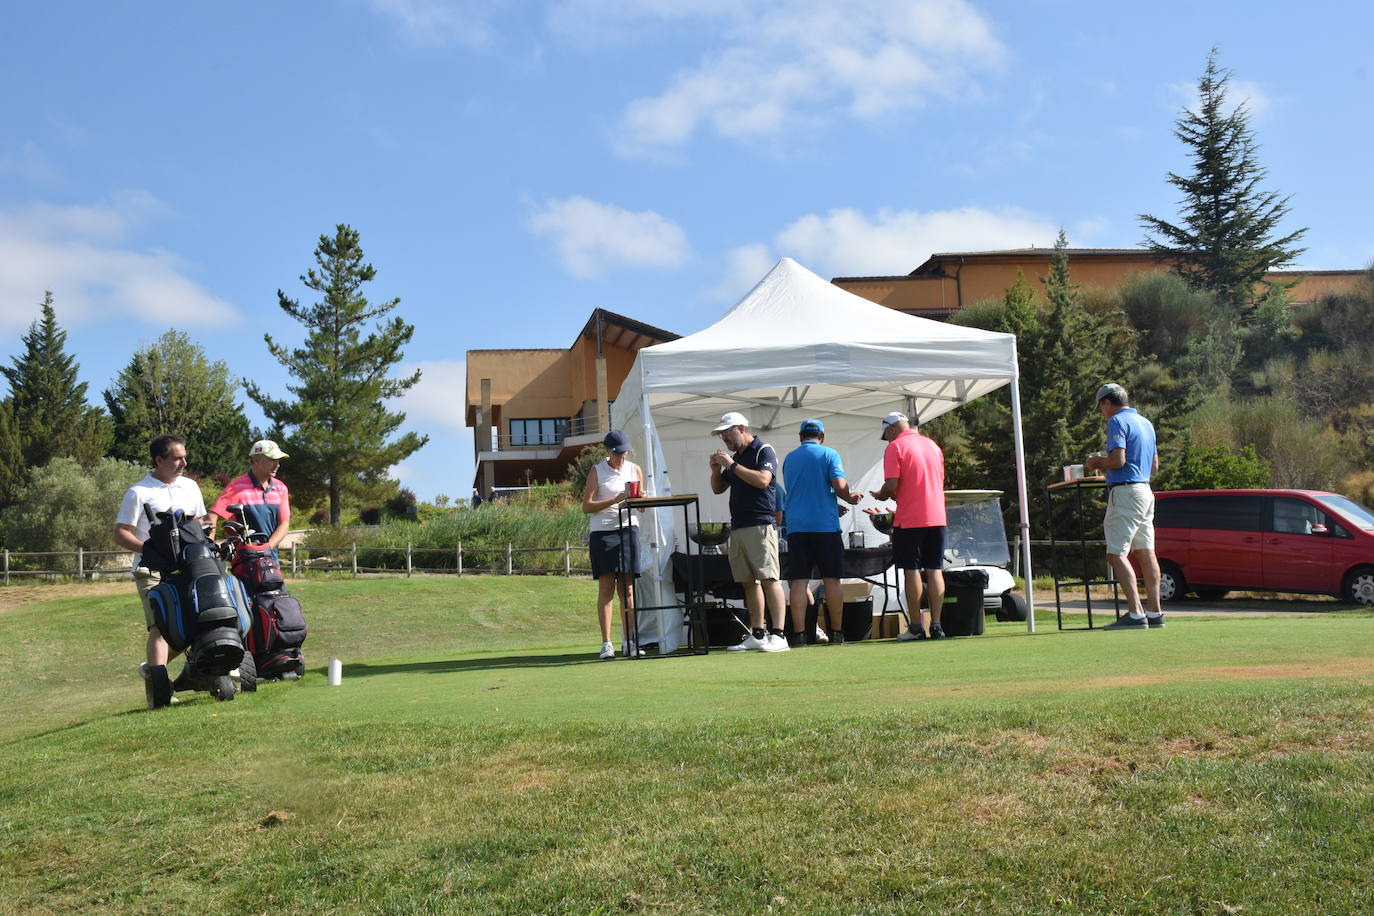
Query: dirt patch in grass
column 14, row 596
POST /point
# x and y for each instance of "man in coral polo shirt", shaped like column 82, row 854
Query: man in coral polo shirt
column 914, row 473
column 264, row 498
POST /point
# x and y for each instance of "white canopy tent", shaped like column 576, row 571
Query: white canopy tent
column 797, row 347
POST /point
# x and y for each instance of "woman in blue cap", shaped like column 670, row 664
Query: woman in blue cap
column 614, row 550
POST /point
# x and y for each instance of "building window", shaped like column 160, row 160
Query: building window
column 542, row 431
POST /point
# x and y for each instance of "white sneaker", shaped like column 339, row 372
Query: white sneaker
column 607, row 651
column 749, row 644
column 820, row 635
column 632, row 650
column 775, row 643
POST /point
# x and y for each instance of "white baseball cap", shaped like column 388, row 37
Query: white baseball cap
column 894, row 417
column 268, row 449
column 731, row 419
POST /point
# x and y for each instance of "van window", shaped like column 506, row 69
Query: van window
column 1352, row 510
column 1224, row 511
column 1296, row 516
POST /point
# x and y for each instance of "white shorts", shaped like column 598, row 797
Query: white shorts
column 1130, row 520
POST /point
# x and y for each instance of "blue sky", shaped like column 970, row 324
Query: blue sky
column 513, row 165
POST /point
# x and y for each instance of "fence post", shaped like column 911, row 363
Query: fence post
column 294, row 571
column 460, row 558
column 510, row 554
column 567, row 559
column 7, row 567
column 409, row 567
column 355, row 559
column 80, row 564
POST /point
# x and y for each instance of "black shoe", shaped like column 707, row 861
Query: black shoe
column 158, row 687
column 1154, row 621
column 837, row 637
column 796, row 640
column 936, row 631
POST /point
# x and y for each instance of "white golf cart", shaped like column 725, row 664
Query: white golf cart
column 976, row 538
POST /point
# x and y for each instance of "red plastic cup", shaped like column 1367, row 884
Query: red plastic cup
column 634, row 489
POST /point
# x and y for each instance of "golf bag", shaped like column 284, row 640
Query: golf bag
column 198, row 607
column 277, row 628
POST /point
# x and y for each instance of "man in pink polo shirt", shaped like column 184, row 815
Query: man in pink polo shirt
column 264, row 498
column 914, row 473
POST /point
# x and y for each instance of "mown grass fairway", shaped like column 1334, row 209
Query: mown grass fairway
column 477, row 758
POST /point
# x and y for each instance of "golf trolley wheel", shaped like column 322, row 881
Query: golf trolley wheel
column 248, row 673
column 222, row 687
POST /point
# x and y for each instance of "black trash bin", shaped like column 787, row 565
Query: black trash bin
column 962, row 614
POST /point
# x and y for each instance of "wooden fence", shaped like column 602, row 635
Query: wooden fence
column 567, row 560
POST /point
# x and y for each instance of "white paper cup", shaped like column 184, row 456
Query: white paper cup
column 335, row 672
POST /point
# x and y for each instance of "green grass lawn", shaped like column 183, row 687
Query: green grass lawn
column 477, row 758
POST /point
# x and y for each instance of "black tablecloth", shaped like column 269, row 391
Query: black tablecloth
column 859, row 562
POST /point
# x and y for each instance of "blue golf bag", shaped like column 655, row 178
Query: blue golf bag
column 198, row 607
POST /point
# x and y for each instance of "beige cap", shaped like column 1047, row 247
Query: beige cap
column 268, row 449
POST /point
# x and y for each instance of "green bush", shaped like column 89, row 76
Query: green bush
column 525, row 522
column 66, row 506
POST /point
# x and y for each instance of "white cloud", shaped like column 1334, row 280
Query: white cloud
column 846, row 242
column 594, row 237
column 29, row 163
column 744, row 266
column 441, row 22
column 82, row 254
column 435, row 407
column 1257, row 101
column 437, row 399
column 784, row 63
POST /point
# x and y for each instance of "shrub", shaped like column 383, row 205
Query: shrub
column 484, row 533
column 66, row 506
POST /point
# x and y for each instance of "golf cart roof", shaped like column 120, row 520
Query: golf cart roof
column 960, row 497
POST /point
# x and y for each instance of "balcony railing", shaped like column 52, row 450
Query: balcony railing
column 545, row 438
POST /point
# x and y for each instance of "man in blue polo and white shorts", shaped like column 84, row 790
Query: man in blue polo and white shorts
column 1129, row 525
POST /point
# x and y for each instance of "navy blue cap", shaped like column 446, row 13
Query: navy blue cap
column 616, row 441
column 813, row 426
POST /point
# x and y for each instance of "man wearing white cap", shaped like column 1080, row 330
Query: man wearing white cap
column 914, row 474
column 1129, row 525
column 747, row 471
column 264, row 498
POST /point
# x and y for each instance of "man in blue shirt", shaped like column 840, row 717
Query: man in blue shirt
column 1129, row 525
column 747, row 471
column 815, row 478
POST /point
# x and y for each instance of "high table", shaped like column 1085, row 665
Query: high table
column 693, row 591
column 1075, row 489
column 710, row 573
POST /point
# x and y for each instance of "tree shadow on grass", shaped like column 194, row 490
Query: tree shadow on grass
column 483, row 663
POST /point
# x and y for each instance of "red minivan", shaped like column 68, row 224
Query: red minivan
column 1211, row 541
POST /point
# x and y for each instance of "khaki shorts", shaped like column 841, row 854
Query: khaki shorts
column 754, row 553
column 145, row 585
column 1130, row 520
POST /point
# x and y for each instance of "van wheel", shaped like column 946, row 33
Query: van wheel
column 1172, row 585
column 1359, row 585
column 1211, row 594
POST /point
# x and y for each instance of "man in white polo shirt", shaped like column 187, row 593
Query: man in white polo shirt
column 163, row 490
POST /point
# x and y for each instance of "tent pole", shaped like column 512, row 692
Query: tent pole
column 654, row 579
column 1021, row 496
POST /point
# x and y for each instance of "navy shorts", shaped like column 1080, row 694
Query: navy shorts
column 808, row 551
column 614, row 552
column 919, row 548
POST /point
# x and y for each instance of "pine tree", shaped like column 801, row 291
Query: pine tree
column 170, row 386
column 13, row 471
column 1225, row 242
column 337, row 424
column 48, row 403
